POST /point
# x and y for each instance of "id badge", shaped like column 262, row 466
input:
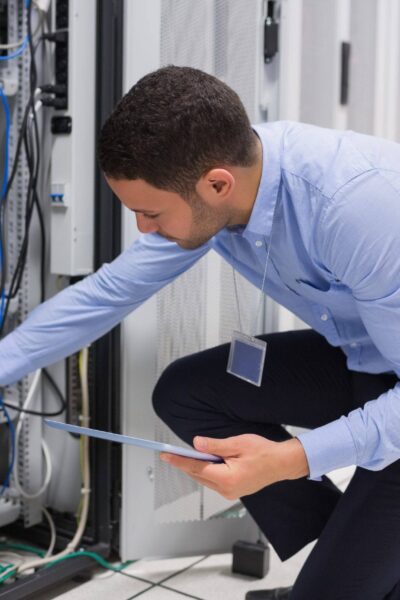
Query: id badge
column 247, row 357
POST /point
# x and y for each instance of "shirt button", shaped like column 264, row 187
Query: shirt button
column 258, row 243
column 353, row 345
column 324, row 317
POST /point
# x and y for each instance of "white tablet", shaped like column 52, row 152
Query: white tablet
column 134, row 441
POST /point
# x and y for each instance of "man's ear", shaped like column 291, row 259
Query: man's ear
column 216, row 185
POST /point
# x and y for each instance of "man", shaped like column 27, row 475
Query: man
column 311, row 217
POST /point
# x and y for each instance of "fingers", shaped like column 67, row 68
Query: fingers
column 192, row 466
column 227, row 447
column 206, row 483
column 215, row 477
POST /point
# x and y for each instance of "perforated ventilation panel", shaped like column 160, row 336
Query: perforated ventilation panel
column 318, row 55
column 227, row 31
column 363, row 68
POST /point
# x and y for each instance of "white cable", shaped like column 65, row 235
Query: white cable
column 47, row 479
column 38, row 106
column 22, row 559
column 85, row 491
column 33, row 113
column 52, row 531
column 10, row 570
column 13, row 555
column 31, row 394
column 29, row 398
column 14, row 45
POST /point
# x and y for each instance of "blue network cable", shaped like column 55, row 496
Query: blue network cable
column 6, row 108
column 4, row 102
column 11, row 427
column 24, row 43
column 17, row 52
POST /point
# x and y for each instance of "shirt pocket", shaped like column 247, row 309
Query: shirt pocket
column 330, row 293
column 326, row 303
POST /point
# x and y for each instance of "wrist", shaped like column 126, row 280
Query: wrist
column 295, row 460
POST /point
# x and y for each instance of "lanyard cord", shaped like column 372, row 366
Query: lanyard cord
column 264, row 279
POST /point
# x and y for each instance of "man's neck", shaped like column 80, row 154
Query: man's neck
column 247, row 185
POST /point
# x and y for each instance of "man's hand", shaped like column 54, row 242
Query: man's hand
column 251, row 463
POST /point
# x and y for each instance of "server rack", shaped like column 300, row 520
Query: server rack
column 102, row 534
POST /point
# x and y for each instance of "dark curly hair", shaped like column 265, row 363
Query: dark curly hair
column 173, row 126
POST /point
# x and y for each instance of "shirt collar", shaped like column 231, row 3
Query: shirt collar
column 260, row 222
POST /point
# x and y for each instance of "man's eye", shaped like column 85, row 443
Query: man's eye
column 150, row 216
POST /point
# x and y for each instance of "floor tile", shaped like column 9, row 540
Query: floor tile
column 212, row 579
column 117, row 587
column 157, row 570
column 159, row 593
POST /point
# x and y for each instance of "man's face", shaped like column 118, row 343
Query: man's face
column 188, row 224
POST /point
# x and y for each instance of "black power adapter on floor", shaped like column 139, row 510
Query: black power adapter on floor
column 249, row 558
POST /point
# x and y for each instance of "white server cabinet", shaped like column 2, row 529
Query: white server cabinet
column 164, row 512
column 311, row 84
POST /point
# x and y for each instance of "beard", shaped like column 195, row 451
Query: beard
column 206, row 223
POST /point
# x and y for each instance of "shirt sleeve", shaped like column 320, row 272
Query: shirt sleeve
column 85, row 311
column 359, row 244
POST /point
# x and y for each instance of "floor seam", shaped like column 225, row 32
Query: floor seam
column 197, row 562
column 162, row 581
column 166, row 587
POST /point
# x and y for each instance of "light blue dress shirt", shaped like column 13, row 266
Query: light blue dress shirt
column 334, row 198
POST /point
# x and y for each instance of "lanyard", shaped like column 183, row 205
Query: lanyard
column 247, row 353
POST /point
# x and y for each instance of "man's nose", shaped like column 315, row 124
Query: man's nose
column 145, row 225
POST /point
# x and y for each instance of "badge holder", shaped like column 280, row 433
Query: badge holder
column 247, row 357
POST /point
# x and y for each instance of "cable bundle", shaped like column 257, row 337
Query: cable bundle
column 28, row 139
column 29, row 142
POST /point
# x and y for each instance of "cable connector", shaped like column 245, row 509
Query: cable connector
column 58, row 89
column 60, row 37
column 9, row 86
column 54, row 102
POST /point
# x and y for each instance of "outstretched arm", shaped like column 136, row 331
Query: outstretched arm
column 87, row 310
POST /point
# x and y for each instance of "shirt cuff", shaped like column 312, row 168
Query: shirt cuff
column 329, row 447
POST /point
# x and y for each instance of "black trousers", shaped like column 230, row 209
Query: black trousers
column 306, row 383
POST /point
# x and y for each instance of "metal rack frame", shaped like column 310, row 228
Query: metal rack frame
column 102, row 533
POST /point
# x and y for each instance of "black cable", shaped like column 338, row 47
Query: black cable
column 38, row 413
column 29, row 139
column 20, row 137
column 19, row 269
column 34, row 413
column 34, row 201
column 40, row 216
column 10, row 183
column 32, row 196
column 55, row 387
column 29, row 106
column 33, row 158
